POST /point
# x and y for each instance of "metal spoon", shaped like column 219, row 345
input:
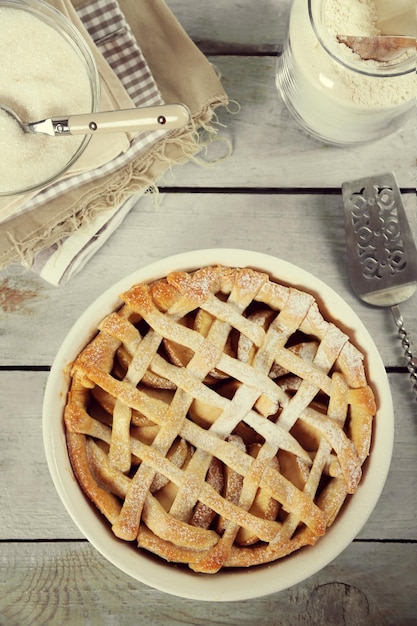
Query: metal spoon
column 379, row 48
column 167, row 116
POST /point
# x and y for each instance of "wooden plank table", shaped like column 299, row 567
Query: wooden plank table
column 278, row 193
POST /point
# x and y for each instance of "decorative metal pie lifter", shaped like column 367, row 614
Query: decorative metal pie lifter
column 382, row 255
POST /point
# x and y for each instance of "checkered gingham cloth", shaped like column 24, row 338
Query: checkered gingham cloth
column 111, row 34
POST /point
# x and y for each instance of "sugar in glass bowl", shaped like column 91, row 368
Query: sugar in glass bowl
column 48, row 70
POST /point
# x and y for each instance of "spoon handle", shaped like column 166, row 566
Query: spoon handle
column 163, row 117
column 407, row 346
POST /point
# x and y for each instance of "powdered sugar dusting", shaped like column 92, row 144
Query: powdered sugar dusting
column 264, row 435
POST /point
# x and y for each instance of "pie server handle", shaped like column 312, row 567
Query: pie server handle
column 411, row 361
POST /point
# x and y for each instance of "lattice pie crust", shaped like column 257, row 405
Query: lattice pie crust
column 217, row 419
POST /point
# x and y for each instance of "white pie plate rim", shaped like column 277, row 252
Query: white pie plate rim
column 235, row 584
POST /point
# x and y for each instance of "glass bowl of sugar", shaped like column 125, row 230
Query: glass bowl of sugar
column 47, row 70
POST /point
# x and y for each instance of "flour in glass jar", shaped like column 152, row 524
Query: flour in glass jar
column 42, row 76
column 363, row 19
column 332, row 93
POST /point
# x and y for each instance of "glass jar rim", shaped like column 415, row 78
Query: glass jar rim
column 401, row 67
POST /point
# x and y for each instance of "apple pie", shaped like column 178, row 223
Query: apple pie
column 217, row 420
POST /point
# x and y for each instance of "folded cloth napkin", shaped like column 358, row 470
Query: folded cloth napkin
column 56, row 230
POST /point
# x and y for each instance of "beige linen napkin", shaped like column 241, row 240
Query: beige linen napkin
column 108, row 191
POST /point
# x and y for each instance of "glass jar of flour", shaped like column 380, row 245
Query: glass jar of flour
column 333, row 94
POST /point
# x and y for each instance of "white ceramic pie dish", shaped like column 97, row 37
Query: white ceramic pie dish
column 225, row 585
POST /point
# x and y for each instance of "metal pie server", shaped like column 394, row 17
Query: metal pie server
column 382, row 255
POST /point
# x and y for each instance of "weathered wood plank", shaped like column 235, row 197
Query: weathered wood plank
column 261, row 25
column 267, row 144
column 31, row 509
column 306, row 230
column 271, row 149
column 70, row 583
column 48, row 573
column 217, row 24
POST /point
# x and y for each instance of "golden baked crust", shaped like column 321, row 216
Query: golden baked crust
column 218, row 419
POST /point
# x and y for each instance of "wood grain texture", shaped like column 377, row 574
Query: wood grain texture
column 248, row 27
column 270, row 150
column 278, row 193
column 306, row 230
column 367, row 585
